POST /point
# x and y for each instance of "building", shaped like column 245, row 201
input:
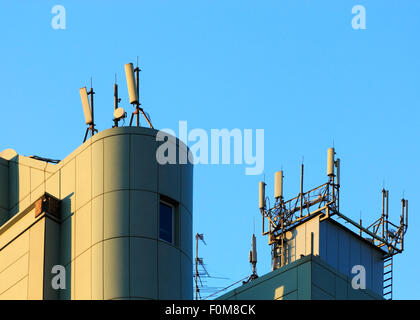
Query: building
column 110, row 222
column 315, row 255
column 321, row 271
column 118, row 223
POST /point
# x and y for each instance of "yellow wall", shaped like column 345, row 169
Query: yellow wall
column 22, row 257
column 107, row 236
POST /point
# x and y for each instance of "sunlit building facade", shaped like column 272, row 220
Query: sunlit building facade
column 116, row 221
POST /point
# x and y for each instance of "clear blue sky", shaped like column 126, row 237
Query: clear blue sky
column 294, row 68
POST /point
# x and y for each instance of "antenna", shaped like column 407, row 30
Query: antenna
column 301, row 188
column 133, row 92
column 262, row 195
column 88, row 110
column 330, row 163
column 337, row 165
column 199, row 262
column 131, row 84
column 278, row 185
column 253, row 259
column 323, row 201
column 254, row 254
column 119, row 113
column 86, row 107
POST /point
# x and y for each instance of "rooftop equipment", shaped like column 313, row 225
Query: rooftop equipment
column 133, row 93
column 132, row 75
column 119, row 113
column 324, row 201
column 253, row 259
column 330, row 162
column 199, row 264
column 278, row 185
column 262, row 195
column 88, row 110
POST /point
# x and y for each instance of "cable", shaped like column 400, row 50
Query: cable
column 224, row 288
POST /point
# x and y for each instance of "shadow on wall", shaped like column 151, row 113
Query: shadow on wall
column 14, row 187
column 66, row 243
column 4, row 191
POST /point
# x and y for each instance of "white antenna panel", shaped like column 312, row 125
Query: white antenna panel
column 131, row 83
column 278, row 184
column 262, row 195
column 86, row 106
column 330, row 163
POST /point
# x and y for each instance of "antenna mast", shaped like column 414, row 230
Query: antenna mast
column 88, row 110
column 116, row 100
column 198, row 263
column 253, row 259
column 133, row 84
column 119, row 113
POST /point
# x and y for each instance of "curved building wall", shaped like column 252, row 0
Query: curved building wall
column 115, row 215
column 110, row 190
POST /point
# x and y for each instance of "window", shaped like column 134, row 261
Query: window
column 166, row 222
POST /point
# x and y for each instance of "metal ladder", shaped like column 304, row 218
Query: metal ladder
column 387, row 290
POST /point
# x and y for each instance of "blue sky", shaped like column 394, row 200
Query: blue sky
column 296, row 69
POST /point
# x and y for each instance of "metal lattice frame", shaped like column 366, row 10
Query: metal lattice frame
column 324, row 201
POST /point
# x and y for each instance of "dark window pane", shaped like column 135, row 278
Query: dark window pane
column 165, row 222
